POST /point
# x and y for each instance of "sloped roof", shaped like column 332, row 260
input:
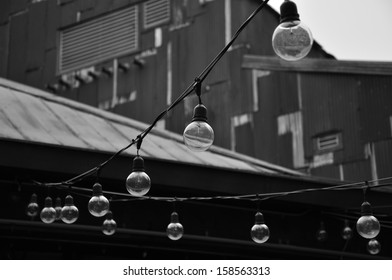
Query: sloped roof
column 31, row 115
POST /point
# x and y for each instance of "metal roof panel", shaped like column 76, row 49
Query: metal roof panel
column 36, row 116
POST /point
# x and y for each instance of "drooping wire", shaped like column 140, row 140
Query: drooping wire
column 208, row 69
column 180, row 98
column 247, row 197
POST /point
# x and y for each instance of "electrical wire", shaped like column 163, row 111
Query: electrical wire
column 179, row 99
column 69, row 184
column 245, row 197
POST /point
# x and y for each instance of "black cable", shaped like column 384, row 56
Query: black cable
column 182, row 96
column 208, row 69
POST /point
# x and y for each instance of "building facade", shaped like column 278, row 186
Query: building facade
column 135, row 57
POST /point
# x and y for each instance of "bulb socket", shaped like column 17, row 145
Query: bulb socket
column 69, row 200
column 138, row 164
column 259, row 218
column 58, row 202
column 366, row 209
column 109, row 215
column 200, row 113
column 174, row 218
column 33, row 198
column 288, row 12
column 97, row 189
column 48, row 202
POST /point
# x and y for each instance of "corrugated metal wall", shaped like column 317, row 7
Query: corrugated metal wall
column 330, row 103
column 284, row 111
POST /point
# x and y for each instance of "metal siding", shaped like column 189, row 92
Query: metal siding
column 241, row 84
column 244, row 145
column 88, row 95
column 5, row 11
column 383, row 150
column 375, row 97
column 67, row 15
column 200, row 42
column 194, row 46
column 105, row 87
column 176, row 118
column 34, row 77
column 127, row 82
column 286, row 89
column 4, row 48
column 17, row 53
column 149, row 83
column 357, row 171
column 265, row 122
column 285, row 154
column 327, row 171
column 52, row 24
column 259, row 32
column 36, row 35
column 277, row 97
column 330, row 104
column 18, row 5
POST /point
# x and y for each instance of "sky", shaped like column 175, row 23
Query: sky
column 349, row 29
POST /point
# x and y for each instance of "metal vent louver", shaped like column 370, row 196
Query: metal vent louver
column 156, row 12
column 98, row 40
column 328, row 142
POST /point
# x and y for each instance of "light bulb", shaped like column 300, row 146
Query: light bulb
column 58, row 208
column 347, row 232
column 109, row 226
column 260, row 231
column 69, row 213
column 48, row 214
column 321, row 234
column 32, row 208
column 198, row 135
column 373, row 247
column 367, row 225
column 174, row 230
column 138, row 182
column 98, row 205
column 291, row 40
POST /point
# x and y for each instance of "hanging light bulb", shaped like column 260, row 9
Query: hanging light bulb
column 32, row 208
column 291, row 40
column 347, row 232
column 367, row 225
column 322, row 233
column 260, row 231
column 48, row 213
column 174, row 230
column 109, row 226
column 69, row 213
column 373, row 247
column 198, row 135
column 98, row 205
column 138, row 182
column 58, row 208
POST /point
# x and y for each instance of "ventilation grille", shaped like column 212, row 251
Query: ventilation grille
column 156, row 12
column 98, row 40
column 329, row 142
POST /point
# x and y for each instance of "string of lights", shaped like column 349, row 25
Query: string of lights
column 291, row 41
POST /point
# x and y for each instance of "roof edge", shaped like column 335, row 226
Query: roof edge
column 141, row 126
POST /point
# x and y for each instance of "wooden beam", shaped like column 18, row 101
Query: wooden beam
column 317, row 65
